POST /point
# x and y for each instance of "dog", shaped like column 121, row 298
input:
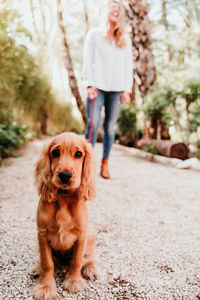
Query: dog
column 65, row 177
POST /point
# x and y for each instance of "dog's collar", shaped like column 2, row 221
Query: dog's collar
column 65, row 192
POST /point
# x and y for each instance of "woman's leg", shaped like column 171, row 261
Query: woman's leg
column 94, row 108
column 112, row 108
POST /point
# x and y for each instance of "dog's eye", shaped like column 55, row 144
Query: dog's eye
column 56, row 153
column 78, row 154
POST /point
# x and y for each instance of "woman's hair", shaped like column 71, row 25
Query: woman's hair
column 119, row 28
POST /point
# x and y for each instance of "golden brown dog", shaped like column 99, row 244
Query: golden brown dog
column 65, row 177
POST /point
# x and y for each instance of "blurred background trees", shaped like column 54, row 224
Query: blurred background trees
column 175, row 37
column 42, row 90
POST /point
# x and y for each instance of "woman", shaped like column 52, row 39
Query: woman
column 108, row 73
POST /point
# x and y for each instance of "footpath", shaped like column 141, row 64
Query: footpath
column 146, row 220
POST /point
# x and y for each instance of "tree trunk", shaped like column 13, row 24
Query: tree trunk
column 44, row 120
column 187, row 121
column 43, row 18
column 86, row 16
column 145, row 75
column 198, row 136
column 34, row 21
column 164, row 14
column 70, row 70
column 159, row 130
column 166, row 148
column 166, row 25
column 155, row 130
column 133, row 91
column 178, row 126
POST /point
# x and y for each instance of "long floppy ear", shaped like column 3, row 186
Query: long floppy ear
column 87, row 189
column 43, row 175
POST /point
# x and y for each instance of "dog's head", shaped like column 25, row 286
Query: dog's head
column 66, row 167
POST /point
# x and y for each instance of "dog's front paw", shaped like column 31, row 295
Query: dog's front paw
column 74, row 284
column 89, row 271
column 45, row 291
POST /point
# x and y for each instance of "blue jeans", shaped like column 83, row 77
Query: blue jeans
column 111, row 101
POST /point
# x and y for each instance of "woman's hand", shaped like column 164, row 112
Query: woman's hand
column 92, row 92
column 125, row 97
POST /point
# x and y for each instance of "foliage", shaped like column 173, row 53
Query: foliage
column 126, row 122
column 191, row 90
column 156, row 105
column 150, row 149
column 21, row 82
column 26, row 94
column 194, row 115
column 62, row 118
column 175, row 33
column 126, row 131
column 197, row 153
column 11, row 137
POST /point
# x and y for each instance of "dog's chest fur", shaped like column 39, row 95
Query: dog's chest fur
column 62, row 232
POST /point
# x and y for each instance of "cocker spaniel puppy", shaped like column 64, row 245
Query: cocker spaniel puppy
column 65, row 177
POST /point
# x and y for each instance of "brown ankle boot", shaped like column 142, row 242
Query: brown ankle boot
column 104, row 169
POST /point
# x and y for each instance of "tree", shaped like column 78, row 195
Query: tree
column 26, row 95
column 156, row 115
column 190, row 93
column 175, row 47
column 137, row 12
column 69, row 65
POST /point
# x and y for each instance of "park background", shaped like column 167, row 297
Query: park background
column 41, row 54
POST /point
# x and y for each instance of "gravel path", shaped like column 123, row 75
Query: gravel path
column 147, row 223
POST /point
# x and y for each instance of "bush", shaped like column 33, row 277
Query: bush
column 11, row 137
column 156, row 106
column 197, row 153
column 126, row 125
column 150, row 149
column 126, row 122
column 63, row 119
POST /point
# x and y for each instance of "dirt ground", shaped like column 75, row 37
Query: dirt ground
column 146, row 219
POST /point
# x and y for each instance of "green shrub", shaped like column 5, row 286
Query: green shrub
column 150, row 149
column 126, row 125
column 156, row 105
column 197, row 153
column 63, row 119
column 11, row 137
column 126, row 122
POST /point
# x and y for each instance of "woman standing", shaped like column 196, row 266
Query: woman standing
column 108, row 73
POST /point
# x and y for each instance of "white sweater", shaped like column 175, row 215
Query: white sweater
column 106, row 66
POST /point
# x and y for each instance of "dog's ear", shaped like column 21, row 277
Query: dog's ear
column 87, row 189
column 43, row 175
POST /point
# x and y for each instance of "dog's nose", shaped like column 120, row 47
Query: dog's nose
column 65, row 176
